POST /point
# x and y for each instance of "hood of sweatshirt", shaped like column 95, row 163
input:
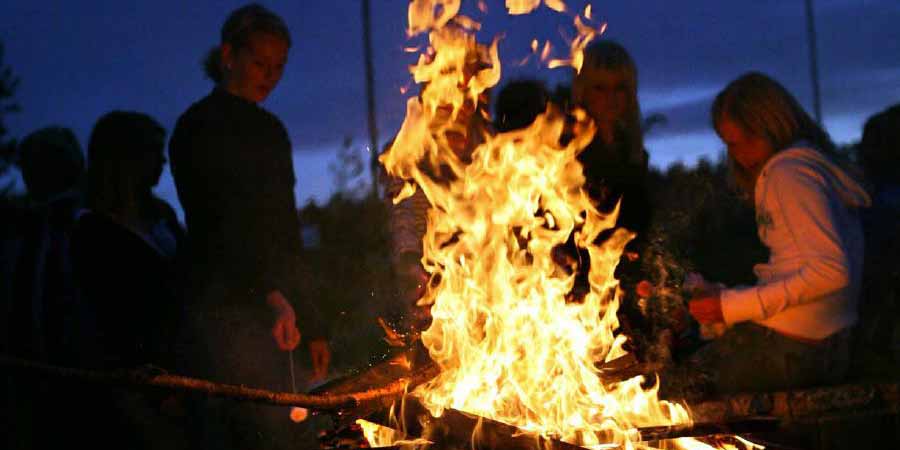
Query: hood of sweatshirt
column 850, row 189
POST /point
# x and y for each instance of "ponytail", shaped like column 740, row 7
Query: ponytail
column 212, row 65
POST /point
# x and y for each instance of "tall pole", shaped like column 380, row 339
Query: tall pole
column 370, row 93
column 813, row 59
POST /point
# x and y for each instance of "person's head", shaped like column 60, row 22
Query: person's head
column 756, row 117
column 51, row 161
column 519, row 103
column 879, row 149
column 125, row 160
column 251, row 56
column 606, row 86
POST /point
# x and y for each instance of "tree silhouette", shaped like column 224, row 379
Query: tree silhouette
column 8, row 84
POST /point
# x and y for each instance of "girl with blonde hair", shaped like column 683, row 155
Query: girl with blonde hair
column 792, row 328
column 615, row 163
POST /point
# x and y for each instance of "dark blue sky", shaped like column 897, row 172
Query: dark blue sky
column 80, row 59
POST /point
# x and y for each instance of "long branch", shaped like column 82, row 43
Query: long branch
column 141, row 378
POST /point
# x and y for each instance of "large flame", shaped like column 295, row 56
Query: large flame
column 509, row 346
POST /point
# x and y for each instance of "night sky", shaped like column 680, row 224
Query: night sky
column 78, row 60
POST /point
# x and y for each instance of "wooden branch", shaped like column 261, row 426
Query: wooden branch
column 699, row 429
column 800, row 404
column 144, row 378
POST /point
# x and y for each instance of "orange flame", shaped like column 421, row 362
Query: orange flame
column 509, row 346
column 556, row 5
column 517, row 7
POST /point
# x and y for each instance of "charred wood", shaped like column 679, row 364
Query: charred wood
column 800, row 404
column 700, row 429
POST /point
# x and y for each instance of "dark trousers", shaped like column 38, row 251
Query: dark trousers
column 233, row 344
column 753, row 358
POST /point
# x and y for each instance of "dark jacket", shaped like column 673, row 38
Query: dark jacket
column 611, row 176
column 44, row 291
column 129, row 291
column 232, row 165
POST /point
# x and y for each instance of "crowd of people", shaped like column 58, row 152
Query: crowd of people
column 107, row 277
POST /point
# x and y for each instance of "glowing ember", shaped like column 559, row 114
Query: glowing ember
column 299, row 414
column 509, row 346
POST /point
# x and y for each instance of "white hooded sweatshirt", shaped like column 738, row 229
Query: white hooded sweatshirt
column 806, row 214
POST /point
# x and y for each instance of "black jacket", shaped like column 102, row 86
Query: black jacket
column 129, row 291
column 232, row 165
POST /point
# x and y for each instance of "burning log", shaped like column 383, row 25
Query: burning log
column 154, row 378
column 458, row 429
column 700, row 429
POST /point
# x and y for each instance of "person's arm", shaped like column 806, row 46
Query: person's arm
column 291, row 290
column 199, row 155
column 801, row 200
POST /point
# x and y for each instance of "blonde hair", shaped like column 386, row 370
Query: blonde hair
column 762, row 107
column 612, row 56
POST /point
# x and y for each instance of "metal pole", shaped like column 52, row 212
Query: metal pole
column 370, row 93
column 813, row 60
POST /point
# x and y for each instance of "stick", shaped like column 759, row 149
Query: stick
column 743, row 426
column 143, row 378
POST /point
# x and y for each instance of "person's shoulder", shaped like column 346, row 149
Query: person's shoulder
column 273, row 122
column 793, row 161
column 201, row 120
column 198, row 110
column 270, row 117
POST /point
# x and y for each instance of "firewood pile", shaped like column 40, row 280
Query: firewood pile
column 455, row 429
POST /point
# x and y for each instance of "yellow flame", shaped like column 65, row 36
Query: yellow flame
column 424, row 15
column 545, row 53
column 516, row 7
column 556, row 5
column 587, row 11
column 380, row 436
column 509, row 345
column 467, row 23
column 748, row 444
column 586, row 34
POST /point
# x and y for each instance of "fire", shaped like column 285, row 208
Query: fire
column 509, row 346
column 380, row 436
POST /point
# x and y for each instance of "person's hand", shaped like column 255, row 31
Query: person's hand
column 707, row 309
column 285, row 331
column 321, row 358
column 698, row 286
column 644, row 289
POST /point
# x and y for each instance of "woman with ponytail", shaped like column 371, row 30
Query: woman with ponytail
column 231, row 160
